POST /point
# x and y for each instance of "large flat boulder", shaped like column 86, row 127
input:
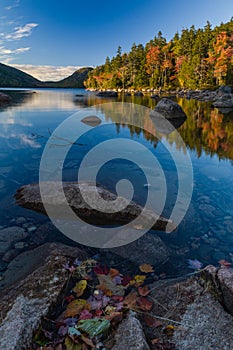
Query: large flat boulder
column 169, row 109
column 29, row 197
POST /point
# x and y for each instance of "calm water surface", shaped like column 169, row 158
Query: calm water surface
column 206, row 232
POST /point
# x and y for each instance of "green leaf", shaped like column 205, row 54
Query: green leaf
column 94, row 327
column 73, row 331
column 71, row 345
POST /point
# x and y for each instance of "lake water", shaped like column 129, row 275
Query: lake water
column 205, row 233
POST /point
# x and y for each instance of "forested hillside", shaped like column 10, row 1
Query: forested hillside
column 194, row 58
column 10, row 76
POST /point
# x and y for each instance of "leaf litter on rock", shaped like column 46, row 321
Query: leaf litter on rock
column 106, row 296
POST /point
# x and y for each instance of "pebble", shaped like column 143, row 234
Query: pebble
column 20, row 220
column 31, row 229
column 21, row 245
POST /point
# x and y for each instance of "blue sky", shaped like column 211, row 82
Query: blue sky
column 63, row 35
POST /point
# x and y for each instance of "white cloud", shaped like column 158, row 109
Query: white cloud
column 8, row 55
column 47, row 73
column 4, row 51
column 21, row 31
column 14, row 4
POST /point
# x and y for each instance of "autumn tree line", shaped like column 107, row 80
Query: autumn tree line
column 194, row 58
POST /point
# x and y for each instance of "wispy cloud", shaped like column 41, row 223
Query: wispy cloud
column 47, row 73
column 13, row 5
column 21, row 31
column 8, row 55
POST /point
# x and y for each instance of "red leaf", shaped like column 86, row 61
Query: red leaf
column 126, row 280
column 101, row 270
column 98, row 313
column 143, row 291
column 152, row 322
column 69, row 298
column 224, row 263
column 85, row 315
column 117, row 298
column 144, row 304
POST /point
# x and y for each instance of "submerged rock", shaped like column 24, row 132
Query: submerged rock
column 29, row 197
column 4, row 98
column 150, row 249
column 9, row 235
column 91, row 120
column 168, row 109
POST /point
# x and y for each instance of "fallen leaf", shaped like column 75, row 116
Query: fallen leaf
column 143, row 291
column 94, row 327
column 138, row 280
column 73, row 331
column 75, row 307
column 101, row 270
column 113, row 272
column 152, row 322
column 80, row 288
column 69, row 298
column 114, row 317
column 146, row 268
column 72, row 345
column 169, row 330
column 88, row 341
column 85, row 315
column 107, row 285
column 131, row 300
column 144, row 304
column 125, row 280
column 98, row 313
column 224, row 263
column 194, row 264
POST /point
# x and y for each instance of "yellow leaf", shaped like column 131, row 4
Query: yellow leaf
column 146, row 268
column 76, row 306
column 138, row 280
column 80, row 287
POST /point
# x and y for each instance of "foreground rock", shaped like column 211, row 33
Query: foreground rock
column 169, row 109
column 208, row 326
column 130, row 335
column 222, row 285
column 192, row 306
column 107, row 94
column 23, row 306
column 29, row 197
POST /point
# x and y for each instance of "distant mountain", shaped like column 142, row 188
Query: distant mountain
column 75, row 80
column 12, row 77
